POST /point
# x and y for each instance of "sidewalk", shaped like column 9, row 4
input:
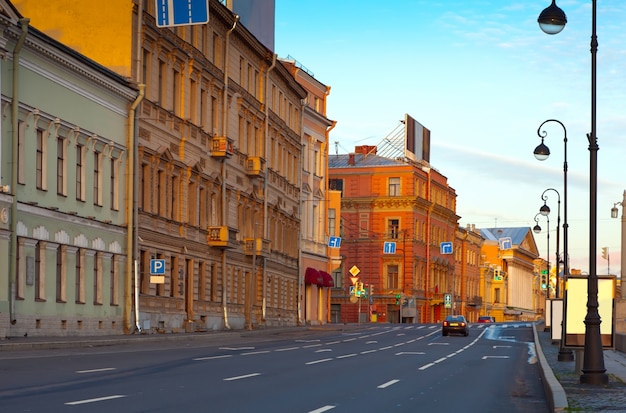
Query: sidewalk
column 563, row 385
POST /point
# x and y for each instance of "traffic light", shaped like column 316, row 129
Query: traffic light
column 371, row 290
column 544, row 281
column 605, row 253
column 397, row 299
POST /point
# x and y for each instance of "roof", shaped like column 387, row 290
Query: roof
column 360, row 160
column 517, row 234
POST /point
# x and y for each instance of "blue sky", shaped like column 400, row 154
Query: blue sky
column 482, row 76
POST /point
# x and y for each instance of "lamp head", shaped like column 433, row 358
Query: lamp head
column 542, row 152
column 544, row 210
column 537, row 229
column 552, row 19
column 614, row 212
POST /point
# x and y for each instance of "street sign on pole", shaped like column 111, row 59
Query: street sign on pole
column 446, row 248
column 334, row 242
column 389, row 247
column 171, row 13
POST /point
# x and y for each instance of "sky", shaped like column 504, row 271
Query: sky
column 482, row 77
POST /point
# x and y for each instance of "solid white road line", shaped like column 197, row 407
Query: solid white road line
column 317, row 361
column 389, row 383
column 95, row 370
column 97, row 399
column 225, row 356
column 245, row 376
column 322, row 409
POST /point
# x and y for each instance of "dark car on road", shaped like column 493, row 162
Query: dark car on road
column 486, row 319
column 455, row 324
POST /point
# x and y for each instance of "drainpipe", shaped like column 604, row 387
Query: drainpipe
column 14, row 136
column 131, row 233
column 134, row 162
column 325, row 155
column 268, row 149
column 225, row 129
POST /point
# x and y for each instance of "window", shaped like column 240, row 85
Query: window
column 114, row 186
column 162, row 83
column 80, row 277
column 393, row 228
column 20, row 152
column 60, row 275
column 335, row 184
column 97, row 179
column 97, row 279
column 177, row 93
column 40, row 161
column 392, row 276
column 332, row 221
column 146, row 72
column 40, row 271
column 61, row 188
column 80, row 172
column 394, row 186
column 497, row 295
column 193, row 101
column 114, row 282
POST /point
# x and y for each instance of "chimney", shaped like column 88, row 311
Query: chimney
column 365, row 149
column 351, row 159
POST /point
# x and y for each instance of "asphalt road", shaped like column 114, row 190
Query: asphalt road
column 372, row 368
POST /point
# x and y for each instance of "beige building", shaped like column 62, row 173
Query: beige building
column 315, row 265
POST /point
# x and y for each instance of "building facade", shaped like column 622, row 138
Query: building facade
column 315, row 265
column 216, row 182
column 64, row 157
column 398, row 229
column 510, row 274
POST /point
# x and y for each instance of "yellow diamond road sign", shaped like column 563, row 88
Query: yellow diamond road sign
column 355, row 270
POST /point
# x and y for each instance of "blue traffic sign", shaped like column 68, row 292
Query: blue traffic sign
column 334, row 242
column 389, row 248
column 181, row 12
column 157, row 267
column 446, row 247
column 505, row 243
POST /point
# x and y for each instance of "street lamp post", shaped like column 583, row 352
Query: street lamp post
column 541, row 153
column 537, row 230
column 545, row 211
column 552, row 20
column 623, row 243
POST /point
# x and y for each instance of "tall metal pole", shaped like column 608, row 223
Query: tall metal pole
column 552, row 20
column 545, row 210
column 593, row 370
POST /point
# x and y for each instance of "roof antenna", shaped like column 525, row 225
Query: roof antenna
column 336, row 148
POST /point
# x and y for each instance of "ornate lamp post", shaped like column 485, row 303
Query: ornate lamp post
column 537, row 230
column 552, row 20
column 623, row 244
column 541, row 153
column 545, row 211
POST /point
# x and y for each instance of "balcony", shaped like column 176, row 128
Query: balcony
column 222, row 237
column 221, row 147
column 255, row 166
column 260, row 248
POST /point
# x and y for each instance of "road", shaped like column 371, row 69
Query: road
column 368, row 368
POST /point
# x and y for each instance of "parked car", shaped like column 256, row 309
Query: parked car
column 486, row 319
column 455, row 324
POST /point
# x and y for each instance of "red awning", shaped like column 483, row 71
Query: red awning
column 313, row 276
column 327, row 279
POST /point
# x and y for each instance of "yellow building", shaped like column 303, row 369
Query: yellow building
column 508, row 274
